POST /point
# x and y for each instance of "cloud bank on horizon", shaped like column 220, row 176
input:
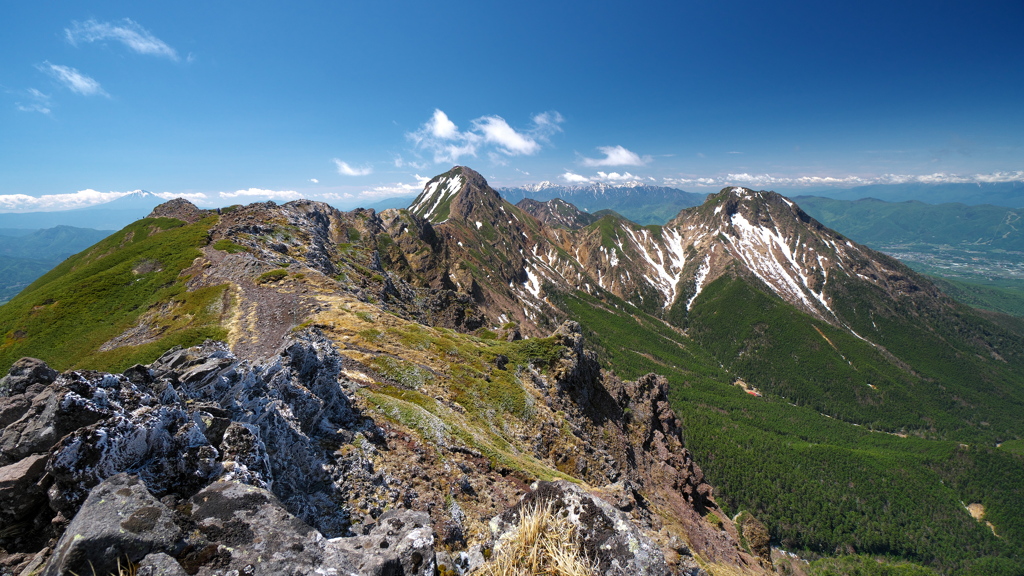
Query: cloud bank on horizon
column 89, row 197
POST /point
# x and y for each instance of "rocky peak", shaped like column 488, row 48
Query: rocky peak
column 181, row 209
column 558, row 213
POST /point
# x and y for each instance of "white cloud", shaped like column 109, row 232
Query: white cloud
column 441, row 127
column 39, row 102
column 768, row 180
column 73, row 79
column 345, row 170
column 573, row 178
column 616, row 177
column 616, row 156
column 496, row 131
column 259, row 193
column 442, row 137
column 53, row 202
column 314, row 180
column 126, row 31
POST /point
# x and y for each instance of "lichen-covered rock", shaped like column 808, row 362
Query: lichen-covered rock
column 401, row 542
column 120, row 520
column 159, row 564
column 609, row 539
column 244, row 528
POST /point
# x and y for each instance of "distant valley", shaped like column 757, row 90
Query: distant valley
column 28, row 254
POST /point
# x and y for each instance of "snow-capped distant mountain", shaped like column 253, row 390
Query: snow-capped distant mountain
column 640, row 202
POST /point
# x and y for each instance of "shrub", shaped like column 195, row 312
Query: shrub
column 271, row 276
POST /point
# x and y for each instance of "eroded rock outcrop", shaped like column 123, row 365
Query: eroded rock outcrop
column 226, row 528
column 289, row 442
column 193, row 417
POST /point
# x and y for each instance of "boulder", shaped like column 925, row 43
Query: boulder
column 24, row 373
column 402, row 542
column 120, row 521
column 20, row 493
column 244, row 528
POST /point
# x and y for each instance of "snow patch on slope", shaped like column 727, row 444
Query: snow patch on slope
column 435, row 194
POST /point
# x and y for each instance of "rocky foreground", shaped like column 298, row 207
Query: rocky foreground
column 201, row 463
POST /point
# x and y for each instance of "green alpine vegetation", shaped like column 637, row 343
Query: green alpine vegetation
column 28, row 254
column 67, row 315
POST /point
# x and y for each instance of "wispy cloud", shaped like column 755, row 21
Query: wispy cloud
column 126, row 31
column 38, row 102
column 314, row 180
column 616, row 156
column 403, row 163
column 441, row 137
column 345, row 170
column 768, row 180
column 397, row 189
column 260, row 193
column 73, row 79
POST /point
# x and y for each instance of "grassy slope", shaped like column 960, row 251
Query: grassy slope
column 66, row 315
column 819, row 483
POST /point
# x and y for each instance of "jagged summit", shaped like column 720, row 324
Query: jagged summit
column 557, row 212
column 456, row 193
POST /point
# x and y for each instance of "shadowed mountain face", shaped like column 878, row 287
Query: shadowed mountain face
column 427, row 305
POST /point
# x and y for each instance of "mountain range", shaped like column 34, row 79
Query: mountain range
column 640, row 202
column 838, row 403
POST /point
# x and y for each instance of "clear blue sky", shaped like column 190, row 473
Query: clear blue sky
column 354, row 101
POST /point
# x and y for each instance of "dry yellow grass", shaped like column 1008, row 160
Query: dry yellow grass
column 543, row 544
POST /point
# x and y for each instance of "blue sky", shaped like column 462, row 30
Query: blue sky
column 356, row 101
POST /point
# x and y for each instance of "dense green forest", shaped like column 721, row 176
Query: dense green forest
column 824, row 484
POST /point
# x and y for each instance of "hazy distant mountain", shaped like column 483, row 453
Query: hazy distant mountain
column 1009, row 194
column 639, row 202
column 878, row 223
column 109, row 216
